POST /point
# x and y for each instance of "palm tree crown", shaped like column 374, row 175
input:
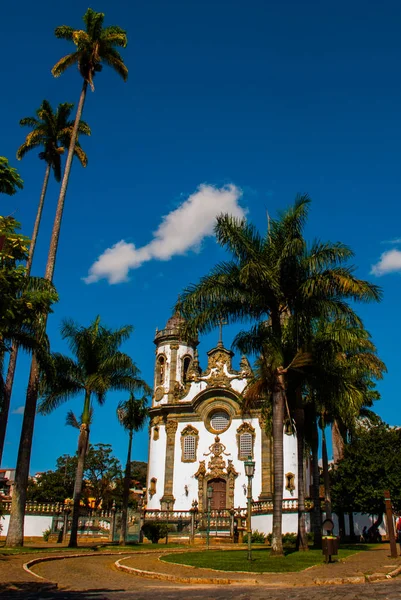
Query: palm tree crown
column 98, row 366
column 94, row 46
column 52, row 131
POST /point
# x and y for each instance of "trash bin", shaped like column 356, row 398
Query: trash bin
column 330, row 542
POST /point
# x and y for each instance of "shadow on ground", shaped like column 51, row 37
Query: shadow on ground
column 44, row 591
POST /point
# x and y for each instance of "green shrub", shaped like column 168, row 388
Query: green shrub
column 46, row 534
column 155, row 531
column 257, row 537
column 288, row 538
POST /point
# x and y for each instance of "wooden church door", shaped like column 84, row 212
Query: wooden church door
column 218, row 500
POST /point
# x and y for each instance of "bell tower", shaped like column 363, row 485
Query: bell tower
column 174, row 355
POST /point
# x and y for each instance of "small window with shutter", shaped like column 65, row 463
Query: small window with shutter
column 245, row 445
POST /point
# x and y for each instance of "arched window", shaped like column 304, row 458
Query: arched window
column 189, row 443
column 186, row 361
column 160, row 369
column 245, row 441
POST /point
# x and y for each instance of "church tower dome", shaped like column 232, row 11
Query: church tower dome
column 174, row 354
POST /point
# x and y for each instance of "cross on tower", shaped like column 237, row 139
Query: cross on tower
column 221, row 323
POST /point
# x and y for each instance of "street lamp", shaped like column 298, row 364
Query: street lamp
column 167, row 519
column 249, row 472
column 209, row 494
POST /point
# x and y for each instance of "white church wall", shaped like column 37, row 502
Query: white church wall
column 264, row 523
column 184, row 473
column 290, row 463
column 194, row 390
column 238, row 385
column 157, row 459
column 34, row 525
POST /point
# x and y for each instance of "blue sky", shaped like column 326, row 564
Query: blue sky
column 274, row 98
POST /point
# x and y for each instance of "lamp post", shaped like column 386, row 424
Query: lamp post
column 249, row 472
column 209, row 494
column 167, row 519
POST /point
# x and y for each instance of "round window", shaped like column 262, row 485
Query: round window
column 219, row 421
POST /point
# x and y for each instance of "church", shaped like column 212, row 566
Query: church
column 199, row 437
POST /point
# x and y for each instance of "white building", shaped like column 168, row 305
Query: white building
column 199, row 436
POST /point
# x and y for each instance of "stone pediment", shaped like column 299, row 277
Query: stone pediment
column 219, row 371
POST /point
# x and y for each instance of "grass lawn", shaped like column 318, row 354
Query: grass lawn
column 31, row 549
column 263, row 562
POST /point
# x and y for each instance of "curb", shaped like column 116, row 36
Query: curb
column 199, row 580
column 176, row 579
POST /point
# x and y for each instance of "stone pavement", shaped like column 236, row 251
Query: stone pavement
column 95, row 578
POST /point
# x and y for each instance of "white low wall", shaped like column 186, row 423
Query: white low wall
column 34, row 525
column 263, row 523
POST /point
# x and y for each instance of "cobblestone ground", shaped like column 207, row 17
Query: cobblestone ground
column 94, row 578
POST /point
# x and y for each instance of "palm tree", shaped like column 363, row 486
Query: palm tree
column 10, row 180
column 98, row 366
column 132, row 415
column 342, row 380
column 276, row 279
column 94, row 46
column 22, row 301
column 51, row 130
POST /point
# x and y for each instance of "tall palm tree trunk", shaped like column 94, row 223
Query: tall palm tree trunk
column 278, row 463
column 51, row 259
column 317, row 512
column 302, row 541
column 127, row 481
column 15, row 536
column 12, row 364
column 83, row 442
column 338, row 442
column 326, row 478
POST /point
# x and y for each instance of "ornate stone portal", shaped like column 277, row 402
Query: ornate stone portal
column 216, row 469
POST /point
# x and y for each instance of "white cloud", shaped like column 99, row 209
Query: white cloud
column 18, row 411
column 390, row 262
column 181, row 230
column 395, row 241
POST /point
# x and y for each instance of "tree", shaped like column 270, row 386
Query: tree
column 282, row 284
column 139, row 472
column 132, row 415
column 98, row 366
column 23, row 300
column 10, row 180
column 51, row 130
column 94, row 46
column 102, row 475
column 343, row 379
column 50, row 486
column 369, row 467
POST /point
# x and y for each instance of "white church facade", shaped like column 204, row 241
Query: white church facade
column 200, row 438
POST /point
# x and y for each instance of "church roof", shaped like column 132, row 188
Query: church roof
column 175, row 321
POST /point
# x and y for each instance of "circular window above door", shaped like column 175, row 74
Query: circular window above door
column 218, row 421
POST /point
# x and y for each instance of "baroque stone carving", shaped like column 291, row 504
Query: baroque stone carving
column 216, row 469
column 245, row 367
column 159, row 393
column 171, row 427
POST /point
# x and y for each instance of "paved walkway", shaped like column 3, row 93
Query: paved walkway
column 95, row 578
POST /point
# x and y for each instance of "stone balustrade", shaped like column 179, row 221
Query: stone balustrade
column 55, row 508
